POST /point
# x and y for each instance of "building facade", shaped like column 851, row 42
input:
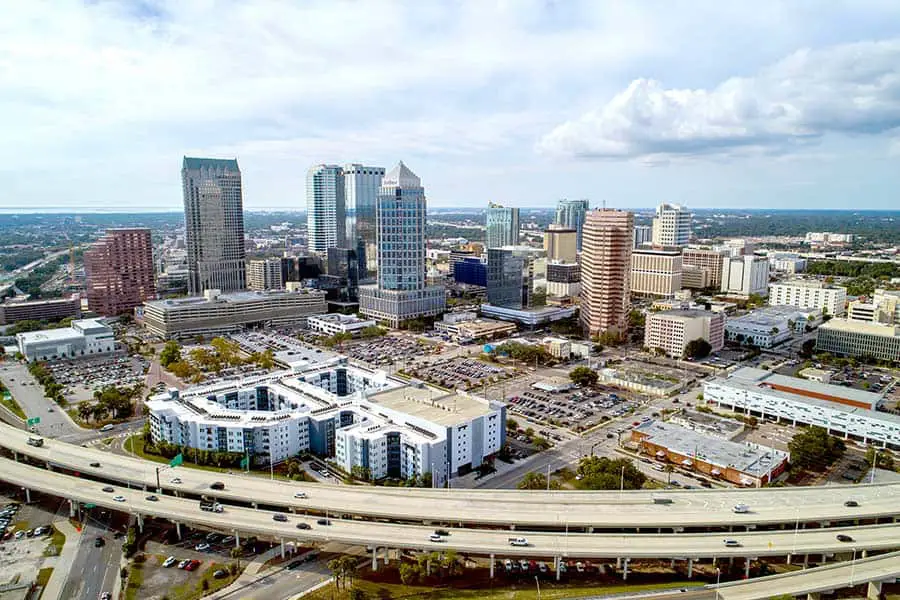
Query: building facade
column 694, row 278
column 501, row 226
column 787, row 263
column 563, row 281
column 745, row 275
column 335, row 323
column 672, row 330
column 264, row 274
column 655, row 273
column 570, row 215
column 643, row 234
column 606, row 271
column 811, row 294
column 214, row 224
column 510, row 277
column 471, row 270
column 215, row 313
column 119, row 271
column 883, row 308
column 561, row 244
column 671, row 226
column 771, row 325
column 862, row 340
column 361, row 184
column 12, row 310
column 401, row 292
column 708, row 259
column 325, row 211
column 84, row 338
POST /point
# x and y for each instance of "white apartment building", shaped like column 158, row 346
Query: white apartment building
column 745, row 275
column 840, row 410
column 809, row 294
column 769, row 326
column 334, row 323
column 264, row 274
column 827, row 238
column 325, row 209
column 356, row 416
column 655, row 273
column 84, row 338
column 884, row 308
column 672, row 330
column 671, row 226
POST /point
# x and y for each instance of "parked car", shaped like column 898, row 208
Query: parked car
column 169, row 562
column 202, row 547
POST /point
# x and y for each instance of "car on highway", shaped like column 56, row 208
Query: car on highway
column 107, row 427
column 324, row 522
column 99, row 542
column 49, row 409
column 300, row 495
column 175, row 480
column 96, row 465
column 217, row 485
column 740, row 508
column 303, row 526
column 152, row 498
column 169, row 562
column 119, row 498
column 731, row 543
column 441, row 532
column 435, row 538
column 842, row 537
column 851, row 503
column 279, row 517
column 202, row 547
column 109, row 489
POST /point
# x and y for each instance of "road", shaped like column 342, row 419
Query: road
column 282, row 583
column 94, row 569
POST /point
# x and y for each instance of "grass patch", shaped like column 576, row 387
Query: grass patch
column 107, row 441
column 43, row 576
column 517, row 591
column 135, row 581
column 57, row 541
column 13, row 406
column 194, row 590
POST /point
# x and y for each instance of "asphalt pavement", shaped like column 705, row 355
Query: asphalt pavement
column 94, row 570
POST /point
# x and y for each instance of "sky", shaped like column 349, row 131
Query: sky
column 745, row 104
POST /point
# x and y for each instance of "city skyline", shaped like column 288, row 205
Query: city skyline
column 775, row 105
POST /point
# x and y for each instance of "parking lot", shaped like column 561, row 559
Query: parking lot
column 84, row 376
column 576, row 410
column 25, row 545
column 462, row 373
column 389, row 350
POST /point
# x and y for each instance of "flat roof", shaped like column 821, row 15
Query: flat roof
column 48, row 335
column 762, row 377
column 432, row 404
column 746, row 457
column 685, row 313
column 231, row 297
column 861, row 327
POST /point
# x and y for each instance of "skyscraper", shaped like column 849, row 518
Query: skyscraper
column 606, row 271
column 510, row 277
column 214, row 224
column 119, row 271
column 401, row 293
column 671, row 226
column 501, row 226
column 561, row 244
column 361, row 185
column 325, row 214
column 570, row 214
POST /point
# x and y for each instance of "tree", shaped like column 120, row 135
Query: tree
column 698, row 348
column 537, row 481
column 602, row 473
column 807, row 349
column 358, row 594
column 815, row 449
column 583, row 376
column 885, row 460
column 512, row 424
column 170, row 353
column 236, row 553
column 373, row 332
column 669, row 469
column 636, row 319
column 409, row 573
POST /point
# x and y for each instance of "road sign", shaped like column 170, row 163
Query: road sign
column 245, row 462
column 177, row 460
column 89, row 505
column 33, row 421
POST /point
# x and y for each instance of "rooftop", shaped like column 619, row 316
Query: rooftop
column 810, row 283
column 210, row 163
column 233, row 297
column 684, row 313
column 432, row 404
column 76, row 330
column 401, row 176
column 861, row 327
column 745, row 457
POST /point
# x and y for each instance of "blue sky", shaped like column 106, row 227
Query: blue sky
column 713, row 104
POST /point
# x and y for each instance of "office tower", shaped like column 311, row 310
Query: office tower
column 361, row 185
column 299, row 268
column 561, row 244
column 325, row 220
column 745, row 275
column 643, row 234
column 655, row 272
column 119, row 271
column 264, row 274
column 214, row 224
column 672, row 225
column 401, row 292
column 570, row 214
column 510, row 277
column 708, row 260
column 563, row 281
column 501, row 226
column 606, row 271
column 344, row 264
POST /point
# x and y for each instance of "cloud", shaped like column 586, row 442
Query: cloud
column 851, row 89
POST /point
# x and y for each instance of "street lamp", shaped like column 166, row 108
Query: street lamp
column 718, row 578
column 538, row 584
column 622, row 480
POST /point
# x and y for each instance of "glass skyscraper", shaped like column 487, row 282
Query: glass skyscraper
column 570, row 214
column 361, row 185
column 325, row 217
column 501, row 226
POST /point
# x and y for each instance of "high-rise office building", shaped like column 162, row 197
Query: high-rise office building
column 325, row 214
column 655, row 272
column 561, row 244
column 606, row 270
column 401, row 292
column 264, row 274
column 345, row 264
column 501, row 226
column 214, row 224
column 299, row 268
column 361, row 185
column 643, row 234
column 570, row 214
column 708, row 260
column 119, row 271
column 672, row 225
column 745, row 275
column 510, row 276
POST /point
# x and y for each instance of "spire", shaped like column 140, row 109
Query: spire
column 401, row 176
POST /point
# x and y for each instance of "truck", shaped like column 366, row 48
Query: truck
column 36, row 442
column 659, row 500
column 210, row 505
column 518, row 541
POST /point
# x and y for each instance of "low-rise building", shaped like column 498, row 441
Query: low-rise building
column 854, row 338
column 335, row 323
column 529, row 317
column 215, row 313
column 817, row 375
column 744, row 463
column 357, row 417
column 466, row 327
column 12, row 310
column 672, row 330
column 769, row 326
column 84, row 338
column 810, row 294
column 840, row 410
column 883, row 308
column 787, row 263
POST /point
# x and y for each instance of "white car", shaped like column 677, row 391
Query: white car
column 19, row 535
column 201, row 547
column 175, row 480
column 300, row 495
column 169, row 562
column 119, row 498
column 740, row 508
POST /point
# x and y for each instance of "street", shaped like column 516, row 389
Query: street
column 282, row 583
column 94, row 570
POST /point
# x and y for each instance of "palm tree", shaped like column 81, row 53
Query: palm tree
column 236, row 554
column 669, row 470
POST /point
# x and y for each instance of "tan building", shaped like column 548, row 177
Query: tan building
column 672, row 330
column 561, row 244
column 694, row 278
column 655, row 273
column 606, row 270
column 705, row 258
column 264, row 274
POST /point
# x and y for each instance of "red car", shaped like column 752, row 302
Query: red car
column 192, row 566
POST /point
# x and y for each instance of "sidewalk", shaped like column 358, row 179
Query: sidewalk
column 57, row 582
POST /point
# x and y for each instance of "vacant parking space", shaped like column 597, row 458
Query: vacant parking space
column 462, row 373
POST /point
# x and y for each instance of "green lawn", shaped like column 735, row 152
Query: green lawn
column 10, row 403
column 135, row 580
column 43, row 576
column 523, row 591
column 193, row 589
column 57, row 541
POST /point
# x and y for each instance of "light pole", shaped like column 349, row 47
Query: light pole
column 718, row 578
column 874, row 466
column 622, row 480
column 853, row 566
column 537, row 582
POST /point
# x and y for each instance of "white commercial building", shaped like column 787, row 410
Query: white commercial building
column 840, row 410
column 672, row 225
column 884, row 308
column 745, row 275
column 827, row 238
column 84, row 338
column 854, row 338
column 673, row 330
column 334, row 323
column 809, row 294
column 325, row 215
column 787, row 263
column 356, row 417
column 769, row 326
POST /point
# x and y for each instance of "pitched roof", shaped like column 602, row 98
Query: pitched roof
column 401, row 176
column 210, row 163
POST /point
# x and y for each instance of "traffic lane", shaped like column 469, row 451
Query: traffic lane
column 89, row 569
column 30, row 396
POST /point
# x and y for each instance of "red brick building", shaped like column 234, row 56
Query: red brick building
column 119, row 271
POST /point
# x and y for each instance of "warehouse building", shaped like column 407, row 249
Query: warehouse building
column 84, row 338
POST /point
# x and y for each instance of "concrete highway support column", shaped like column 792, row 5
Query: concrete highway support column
column 282, row 548
column 873, row 592
column 492, row 566
column 690, row 567
column 71, row 508
column 625, row 569
column 49, row 467
column 27, row 496
column 618, row 562
column 15, row 456
column 813, row 596
column 140, row 521
column 865, row 554
column 237, row 539
column 747, row 568
column 805, row 560
column 178, row 529
column 374, row 558
column 556, row 566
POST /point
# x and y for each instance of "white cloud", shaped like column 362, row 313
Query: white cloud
column 849, row 89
